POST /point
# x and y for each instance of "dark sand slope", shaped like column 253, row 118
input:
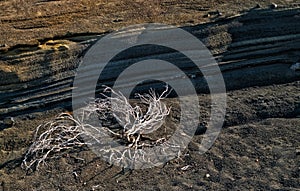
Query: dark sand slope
column 42, row 43
column 257, row 48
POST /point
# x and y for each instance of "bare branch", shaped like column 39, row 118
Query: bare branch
column 65, row 132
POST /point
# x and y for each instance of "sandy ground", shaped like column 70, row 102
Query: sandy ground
column 29, row 22
column 258, row 149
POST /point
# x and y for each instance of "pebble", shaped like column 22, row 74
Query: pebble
column 207, row 175
column 9, row 121
column 6, row 123
column 201, row 129
column 185, row 167
column 193, row 76
column 273, row 6
column 207, row 15
column 295, row 66
column 117, row 20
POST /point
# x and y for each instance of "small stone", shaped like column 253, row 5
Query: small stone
column 201, row 129
column 206, row 15
column 9, row 122
column 38, row 14
column 295, row 66
column 6, row 123
column 193, row 76
column 273, row 6
column 117, row 20
column 185, row 167
column 207, row 175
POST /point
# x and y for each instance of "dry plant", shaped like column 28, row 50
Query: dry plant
column 65, row 132
column 134, row 121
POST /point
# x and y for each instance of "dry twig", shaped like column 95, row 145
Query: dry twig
column 66, row 132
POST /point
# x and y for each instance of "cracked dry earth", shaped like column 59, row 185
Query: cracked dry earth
column 259, row 145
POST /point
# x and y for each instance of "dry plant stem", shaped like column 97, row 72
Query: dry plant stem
column 65, row 132
column 134, row 121
column 61, row 134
